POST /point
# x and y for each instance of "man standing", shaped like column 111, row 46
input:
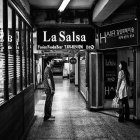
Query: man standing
column 49, row 87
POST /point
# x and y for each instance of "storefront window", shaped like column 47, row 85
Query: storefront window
column 2, row 58
column 23, row 53
column 27, row 54
column 83, row 87
column 23, row 34
column 10, row 53
column 17, row 55
column 31, row 70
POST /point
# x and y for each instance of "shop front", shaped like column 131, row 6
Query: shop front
column 16, row 70
column 68, row 37
column 38, row 71
column 119, row 42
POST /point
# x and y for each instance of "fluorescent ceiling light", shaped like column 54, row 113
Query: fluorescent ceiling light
column 63, row 5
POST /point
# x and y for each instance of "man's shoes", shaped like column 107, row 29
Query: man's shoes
column 46, row 118
column 52, row 118
column 49, row 118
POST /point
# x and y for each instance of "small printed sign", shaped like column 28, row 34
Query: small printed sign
column 73, row 61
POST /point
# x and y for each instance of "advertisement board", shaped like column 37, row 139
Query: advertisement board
column 119, row 35
column 66, row 37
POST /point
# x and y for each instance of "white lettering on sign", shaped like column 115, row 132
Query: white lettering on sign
column 110, row 63
column 108, row 89
column 9, row 38
column 103, row 37
column 73, row 37
column 125, row 33
column 51, row 39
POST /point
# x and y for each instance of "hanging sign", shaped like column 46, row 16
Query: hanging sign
column 118, row 35
column 66, row 37
column 73, row 60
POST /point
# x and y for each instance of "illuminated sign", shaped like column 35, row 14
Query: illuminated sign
column 66, row 37
column 117, row 35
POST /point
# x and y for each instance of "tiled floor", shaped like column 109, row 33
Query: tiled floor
column 74, row 122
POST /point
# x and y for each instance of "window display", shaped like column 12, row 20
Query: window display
column 17, row 55
column 31, row 57
column 27, row 54
column 13, row 56
column 10, row 53
column 2, row 58
column 23, row 53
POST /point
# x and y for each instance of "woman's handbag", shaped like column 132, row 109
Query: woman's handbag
column 115, row 102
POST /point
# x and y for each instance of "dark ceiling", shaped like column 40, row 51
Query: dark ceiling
column 82, row 9
column 43, row 11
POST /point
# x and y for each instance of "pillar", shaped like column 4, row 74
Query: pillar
column 95, row 98
column 138, row 84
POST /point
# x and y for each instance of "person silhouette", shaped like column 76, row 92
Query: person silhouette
column 49, row 87
column 122, row 91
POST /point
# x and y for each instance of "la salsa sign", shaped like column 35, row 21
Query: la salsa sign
column 63, row 37
column 67, row 37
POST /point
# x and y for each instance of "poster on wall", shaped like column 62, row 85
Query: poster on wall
column 110, row 75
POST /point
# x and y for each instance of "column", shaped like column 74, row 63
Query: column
column 95, row 98
column 138, row 84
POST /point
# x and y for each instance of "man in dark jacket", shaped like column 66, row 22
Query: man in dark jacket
column 49, row 87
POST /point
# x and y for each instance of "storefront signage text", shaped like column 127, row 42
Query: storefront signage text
column 110, row 75
column 66, row 38
column 62, row 37
column 121, row 34
column 118, row 35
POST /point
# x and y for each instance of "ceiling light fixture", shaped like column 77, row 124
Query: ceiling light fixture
column 63, row 5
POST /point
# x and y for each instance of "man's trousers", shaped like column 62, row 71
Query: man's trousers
column 48, row 105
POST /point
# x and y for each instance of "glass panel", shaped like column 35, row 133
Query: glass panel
column 2, row 58
column 27, row 54
column 23, row 53
column 10, row 53
column 17, row 55
column 31, row 70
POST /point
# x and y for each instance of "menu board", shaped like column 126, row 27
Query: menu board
column 110, row 75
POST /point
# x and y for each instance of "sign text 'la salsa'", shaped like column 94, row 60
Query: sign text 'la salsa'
column 62, row 37
column 66, row 38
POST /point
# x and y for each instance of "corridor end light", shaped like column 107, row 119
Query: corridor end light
column 63, row 5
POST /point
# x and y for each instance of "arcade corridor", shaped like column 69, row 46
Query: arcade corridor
column 73, row 121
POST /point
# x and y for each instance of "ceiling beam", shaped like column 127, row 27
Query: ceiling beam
column 104, row 8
